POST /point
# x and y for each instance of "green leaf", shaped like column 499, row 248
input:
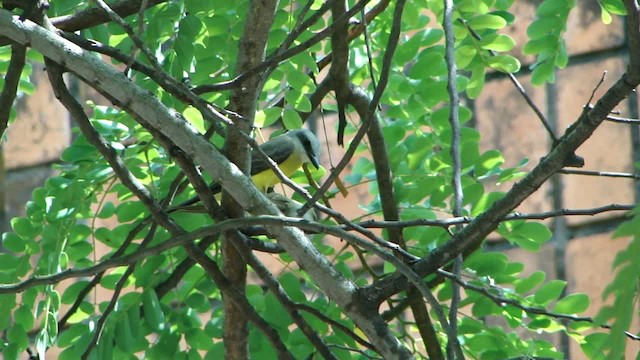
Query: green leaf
column 504, row 63
column 8, row 262
column 486, row 263
column 123, row 336
column 291, row 284
column 79, row 153
column 25, row 228
column 527, row 284
column 487, row 21
column 291, row 119
column 476, row 82
column 13, row 242
column 613, row 6
column 153, row 313
column 72, row 334
column 483, row 307
column 605, row 16
column 430, row 63
column 549, row 291
column 198, row 339
column 267, row 117
column 189, row 29
column 198, row 302
column 551, row 7
column 300, row 81
column 572, row 304
column 562, row 58
column 545, row 26
column 18, row 337
column 109, row 281
column 130, row 210
column 299, row 101
column 544, row 43
column 71, row 293
column 24, row 316
column 79, row 250
column 195, row 118
column 464, row 55
column 535, row 231
column 497, row 42
column 488, row 161
column 199, row 6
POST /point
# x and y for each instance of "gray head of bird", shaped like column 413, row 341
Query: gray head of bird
column 309, row 146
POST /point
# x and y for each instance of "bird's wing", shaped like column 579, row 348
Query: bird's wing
column 278, row 149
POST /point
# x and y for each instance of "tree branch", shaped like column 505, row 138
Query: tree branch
column 11, row 82
column 453, row 346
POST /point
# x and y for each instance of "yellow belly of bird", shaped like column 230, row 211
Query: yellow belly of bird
column 268, row 178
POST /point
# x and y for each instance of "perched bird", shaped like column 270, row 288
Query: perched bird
column 290, row 151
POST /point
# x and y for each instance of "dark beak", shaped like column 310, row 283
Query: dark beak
column 314, row 160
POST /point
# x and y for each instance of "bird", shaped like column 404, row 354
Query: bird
column 290, row 151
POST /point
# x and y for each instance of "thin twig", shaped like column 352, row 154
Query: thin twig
column 622, row 120
column 454, row 351
column 520, row 89
column 593, row 92
column 600, row 173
